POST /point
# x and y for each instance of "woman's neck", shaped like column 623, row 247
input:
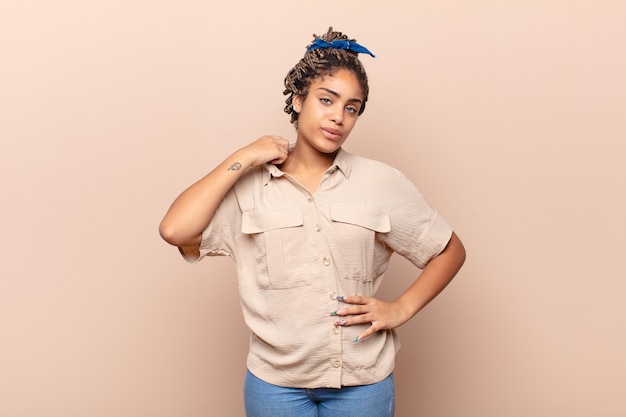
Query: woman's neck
column 307, row 166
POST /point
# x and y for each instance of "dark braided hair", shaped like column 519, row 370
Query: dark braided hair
column 318, row 63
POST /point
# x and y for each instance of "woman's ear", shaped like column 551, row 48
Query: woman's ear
column 296, row 103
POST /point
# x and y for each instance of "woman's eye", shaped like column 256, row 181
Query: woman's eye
column 351, row 109
column 325, row 100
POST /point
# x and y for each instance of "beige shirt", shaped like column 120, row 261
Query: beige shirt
column 296, row 251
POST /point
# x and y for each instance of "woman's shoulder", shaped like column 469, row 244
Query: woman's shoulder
column 362, row 165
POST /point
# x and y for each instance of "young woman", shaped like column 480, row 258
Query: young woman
column 311, row 229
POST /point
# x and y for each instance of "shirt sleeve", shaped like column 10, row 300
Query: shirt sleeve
column 418, row 232
column 217, row 238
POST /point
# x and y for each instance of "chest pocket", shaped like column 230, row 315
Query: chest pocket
column 353, row 241
column 280, row 253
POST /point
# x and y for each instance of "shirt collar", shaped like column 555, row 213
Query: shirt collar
column 341, row 163
column 270, row 172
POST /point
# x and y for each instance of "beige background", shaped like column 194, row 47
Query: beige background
column 509, row 115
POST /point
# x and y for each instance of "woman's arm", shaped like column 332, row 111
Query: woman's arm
column 194, row 208
column 383, row 315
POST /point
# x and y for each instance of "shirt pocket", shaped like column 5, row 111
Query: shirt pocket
column 353, row 241
column 280, row 258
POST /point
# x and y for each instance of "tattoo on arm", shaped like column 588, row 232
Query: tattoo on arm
column 235, row 167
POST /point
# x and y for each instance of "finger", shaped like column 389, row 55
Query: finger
column 354, row 310
column 342, row 322
column 367, row 333
column 281, row 141
column 353, row 299
column 352, row 320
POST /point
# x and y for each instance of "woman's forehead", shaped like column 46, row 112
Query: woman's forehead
column 343, row 82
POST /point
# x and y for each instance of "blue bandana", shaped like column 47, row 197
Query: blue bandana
column 340, row 44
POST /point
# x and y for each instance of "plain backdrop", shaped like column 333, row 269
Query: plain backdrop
column 510, row 116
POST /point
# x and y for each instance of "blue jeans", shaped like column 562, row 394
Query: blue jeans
column 266, row 400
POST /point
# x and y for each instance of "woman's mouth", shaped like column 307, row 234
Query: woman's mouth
column 330, row 133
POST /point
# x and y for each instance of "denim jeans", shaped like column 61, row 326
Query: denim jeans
column 266, row 400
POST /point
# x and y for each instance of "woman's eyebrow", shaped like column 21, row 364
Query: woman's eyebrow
column 336, row 94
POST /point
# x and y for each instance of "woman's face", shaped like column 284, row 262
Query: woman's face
column 330, row 110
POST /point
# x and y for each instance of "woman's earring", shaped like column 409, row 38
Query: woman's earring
column 295, row 109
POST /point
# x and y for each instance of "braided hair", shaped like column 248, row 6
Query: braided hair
column 318, row 63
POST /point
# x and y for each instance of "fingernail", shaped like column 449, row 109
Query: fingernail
column 333, row 313
column 340, row 297
column 356, row 339
column 341, row 323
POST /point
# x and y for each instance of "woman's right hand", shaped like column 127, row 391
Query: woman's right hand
column 274, row 149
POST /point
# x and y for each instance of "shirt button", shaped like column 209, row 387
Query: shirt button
column 326, row 261
column 310, row 199
column 336, row 363
column 336, row 330
column 333, row 295
column 318, row 227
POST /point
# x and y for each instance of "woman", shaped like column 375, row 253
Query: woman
column 311, row 228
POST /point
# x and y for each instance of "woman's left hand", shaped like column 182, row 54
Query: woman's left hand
column 382, row 315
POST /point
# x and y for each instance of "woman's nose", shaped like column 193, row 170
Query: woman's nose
column 337, row 115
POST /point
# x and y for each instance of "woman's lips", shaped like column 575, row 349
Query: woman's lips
column 331, row 133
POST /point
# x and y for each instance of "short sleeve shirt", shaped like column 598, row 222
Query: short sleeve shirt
column 295, row 251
